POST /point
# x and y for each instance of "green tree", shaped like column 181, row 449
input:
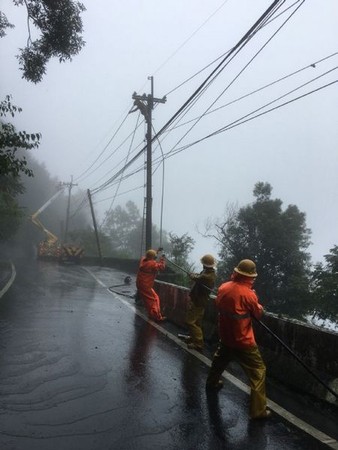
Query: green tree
column 125, row 229
column 325, row 287
column 58, row 27
column 4, row 24
column 276, row 240
column 12, row 140
column 180, row 248
column 36, row 191
column 13, row 163
column 86, row 238
column 10, row 212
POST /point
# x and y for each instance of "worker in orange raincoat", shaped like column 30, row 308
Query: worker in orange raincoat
column 148, row 269
column 236, row 303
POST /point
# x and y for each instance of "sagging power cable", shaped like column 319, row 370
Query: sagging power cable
column 223, row 64
column 119, row 183
column 81, row 177
column 223, row 54
column 272, row 83
column 246, row 118
column 239, row 122
column 190, row 37
column 237, row 76
column 215, row 72
column 113, row 152
column 235, row 51
column 162, row 187
column 242, row 119
column 119, row 195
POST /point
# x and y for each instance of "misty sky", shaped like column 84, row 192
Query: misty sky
column 81, row 108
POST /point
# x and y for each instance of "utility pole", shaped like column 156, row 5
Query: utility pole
column 145, row 103
column 70, row 185
column 95, row 226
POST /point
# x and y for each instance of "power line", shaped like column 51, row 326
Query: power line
column 237, row 76
column 190, row 37
column 162, row 190
column 249, row 35
column 104, row 149
column 119, row 195
column 272, row 10
column 268, row 19
column 238, row 122
column 119, row 183
column 312, row 65
column 225, row 53
column 220, row 67
column 267, row 14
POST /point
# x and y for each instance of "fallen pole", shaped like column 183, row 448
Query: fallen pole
column 297, row 358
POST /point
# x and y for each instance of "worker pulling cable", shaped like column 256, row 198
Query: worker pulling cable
column 305, row 366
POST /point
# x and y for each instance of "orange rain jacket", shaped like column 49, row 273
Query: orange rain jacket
column 147, row 272
column 236, row 302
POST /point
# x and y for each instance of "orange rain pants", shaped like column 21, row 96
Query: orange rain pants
column 147, row 272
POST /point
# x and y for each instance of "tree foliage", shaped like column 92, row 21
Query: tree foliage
column 58, row 27
column 10, row 213
column 124, row 227
column 325, row 287
column 58, row 24
column 86, row 238
column 36, row 191
column 276, row 240
column 12, row 140
column 179, row 250
column 13, row 163
column 4, row 24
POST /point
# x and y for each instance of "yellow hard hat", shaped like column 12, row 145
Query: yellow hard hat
column 247, row 268
column 151, row 254
column 208, row 261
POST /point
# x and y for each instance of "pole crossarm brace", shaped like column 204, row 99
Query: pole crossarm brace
column 145, row 102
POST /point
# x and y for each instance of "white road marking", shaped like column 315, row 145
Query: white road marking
column 296, row 421
column 9, row 282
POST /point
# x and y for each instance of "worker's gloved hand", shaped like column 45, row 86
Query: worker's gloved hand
column 163, row 255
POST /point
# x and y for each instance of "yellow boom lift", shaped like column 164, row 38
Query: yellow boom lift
column 51, row 247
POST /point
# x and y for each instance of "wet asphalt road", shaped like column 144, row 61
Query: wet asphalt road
column 81, row 370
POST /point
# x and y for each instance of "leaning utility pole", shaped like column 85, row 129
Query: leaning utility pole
column 95, row 226
column 145, row 103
